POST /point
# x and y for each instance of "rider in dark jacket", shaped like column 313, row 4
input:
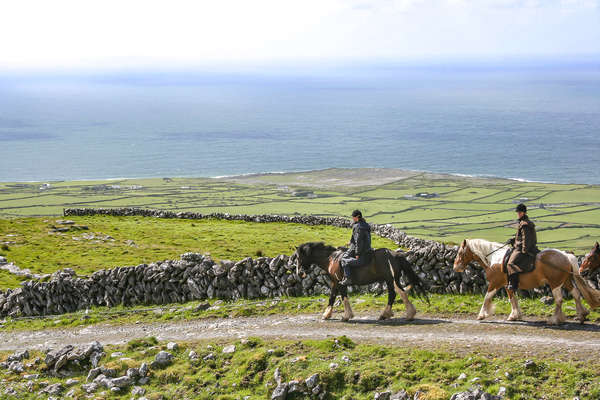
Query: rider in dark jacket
column 359, row 253
column 525, row 248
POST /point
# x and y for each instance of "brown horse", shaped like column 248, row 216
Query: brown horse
column 553, row 267
column 591, row 261
column 386, row 266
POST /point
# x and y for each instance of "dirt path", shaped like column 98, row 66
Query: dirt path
column 569, row 341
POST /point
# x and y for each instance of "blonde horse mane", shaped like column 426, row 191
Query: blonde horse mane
column 482, row 249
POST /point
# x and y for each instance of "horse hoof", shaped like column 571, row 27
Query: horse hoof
column 480, row 317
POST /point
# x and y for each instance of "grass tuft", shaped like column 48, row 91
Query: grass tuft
column 141, row 343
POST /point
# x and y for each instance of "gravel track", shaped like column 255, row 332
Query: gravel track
column 568, row 341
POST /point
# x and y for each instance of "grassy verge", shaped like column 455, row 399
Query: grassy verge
column 119, row 241
column 360, row 371
column 441, row 305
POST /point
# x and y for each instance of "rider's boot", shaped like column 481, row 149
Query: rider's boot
column 346, row 281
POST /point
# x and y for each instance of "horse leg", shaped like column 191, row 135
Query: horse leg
column 558, row 317
column 410, row 308
column 348, row 314
column 582, row 312
column 515, row 313
column 387, row 311
column 487, row 308
column 332, row 296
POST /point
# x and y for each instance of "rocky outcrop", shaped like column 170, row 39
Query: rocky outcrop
column 70, row 360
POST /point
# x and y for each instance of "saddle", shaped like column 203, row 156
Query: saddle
column 526, row 262
column 506, row 258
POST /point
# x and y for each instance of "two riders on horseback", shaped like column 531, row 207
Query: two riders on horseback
column 363, row 265
column 521, row 259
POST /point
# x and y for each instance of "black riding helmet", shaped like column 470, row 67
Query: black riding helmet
column 356, row 213
column 521, row 208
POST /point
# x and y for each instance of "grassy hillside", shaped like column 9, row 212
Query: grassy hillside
column 347, row 370
column 449, row 209
column 117, row 241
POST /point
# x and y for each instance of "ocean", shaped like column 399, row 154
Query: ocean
column 532, row 123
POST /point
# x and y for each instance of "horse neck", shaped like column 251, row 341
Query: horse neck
column 322, row 259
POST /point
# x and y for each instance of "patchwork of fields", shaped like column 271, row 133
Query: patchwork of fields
column 441, row 207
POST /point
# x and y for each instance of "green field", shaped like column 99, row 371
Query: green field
column 361, row 370
column 568, row 216
column 117, row 241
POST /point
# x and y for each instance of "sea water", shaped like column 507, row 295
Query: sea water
column 540, row 124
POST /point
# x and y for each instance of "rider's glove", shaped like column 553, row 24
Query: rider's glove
column 511, row 241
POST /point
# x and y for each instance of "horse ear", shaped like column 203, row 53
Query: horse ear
column 597, row 247
column 464, row 243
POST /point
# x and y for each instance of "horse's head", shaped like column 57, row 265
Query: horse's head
column 591, row 261
column 301, row 256
column 463, row 257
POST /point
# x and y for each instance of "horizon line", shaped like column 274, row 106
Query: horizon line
column 232, row 66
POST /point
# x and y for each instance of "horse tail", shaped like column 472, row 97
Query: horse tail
column 413, row 279
column 591, row 295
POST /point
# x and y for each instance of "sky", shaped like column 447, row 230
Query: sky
column 71, row 34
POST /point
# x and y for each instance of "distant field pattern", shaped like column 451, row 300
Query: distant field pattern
column 441, row 207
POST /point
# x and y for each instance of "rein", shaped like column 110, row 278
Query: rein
column 489, row 254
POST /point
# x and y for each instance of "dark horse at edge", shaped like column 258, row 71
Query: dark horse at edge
column 386, row 266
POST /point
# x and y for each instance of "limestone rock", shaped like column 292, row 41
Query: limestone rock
column 280, row 392
column 312, row 381
column 162, row 359
column 229, row 349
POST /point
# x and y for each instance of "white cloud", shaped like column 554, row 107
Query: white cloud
column 75, row 33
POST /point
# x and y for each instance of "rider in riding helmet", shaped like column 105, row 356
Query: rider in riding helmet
column 359, row 253
column 525, row 248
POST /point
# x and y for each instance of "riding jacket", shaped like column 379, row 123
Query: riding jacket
column 526, row 238
column 360, row 242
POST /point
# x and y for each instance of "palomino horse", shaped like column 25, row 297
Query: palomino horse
column 591, row 261
column 553, row 267
column 386, row 266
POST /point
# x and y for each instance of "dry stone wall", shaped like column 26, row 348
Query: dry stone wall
column 195, row 276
